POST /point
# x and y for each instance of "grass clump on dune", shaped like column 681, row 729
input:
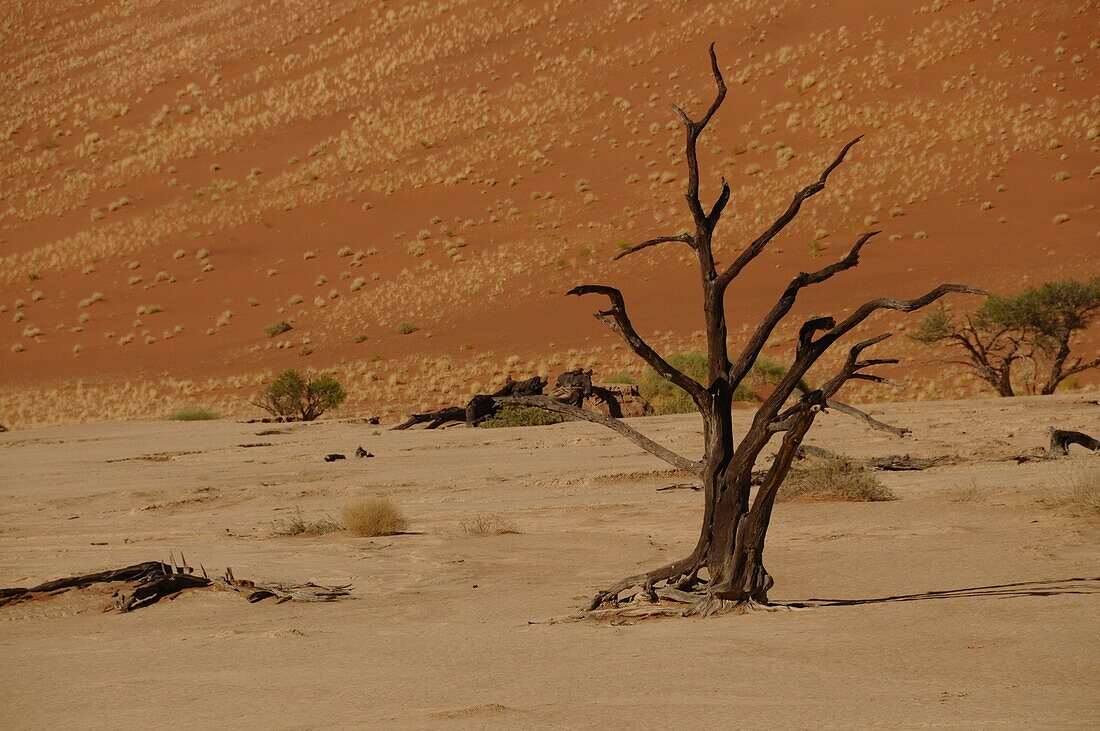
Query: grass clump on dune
column 194, row 413
column 836, row 479
column 378, row 516
column 278, row 328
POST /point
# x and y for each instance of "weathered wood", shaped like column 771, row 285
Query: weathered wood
column 477, row 409
column 147, row 583
column 1061, row 439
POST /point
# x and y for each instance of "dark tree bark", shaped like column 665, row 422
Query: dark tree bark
column 147, row 583
column 726, row 569
column 1061, row 439
column 477, row 409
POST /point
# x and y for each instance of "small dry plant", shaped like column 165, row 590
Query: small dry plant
column 377, row 516
column 1077, row 492
column 967, row 493
column 299, row 525
column 487, row 524
column 834, row 478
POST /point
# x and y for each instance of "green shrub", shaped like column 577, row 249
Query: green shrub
column 666, row 398
column 294, row 396
column 194, row 413
column 277, row 328
column 523, row 416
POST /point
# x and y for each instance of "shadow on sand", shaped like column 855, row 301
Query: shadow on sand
column 1051, row 587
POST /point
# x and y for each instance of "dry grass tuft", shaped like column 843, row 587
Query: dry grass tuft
column 1078, row 495
column 488, row 524
column 378, row 516
column 297, row 525
column 836, row 478
column 968, row 493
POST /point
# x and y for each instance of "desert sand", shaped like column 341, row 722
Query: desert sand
column 968, row 602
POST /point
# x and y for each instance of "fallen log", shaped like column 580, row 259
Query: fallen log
column 477, row 409
column 889, row 463
column 147, row 583
column 1061, row 439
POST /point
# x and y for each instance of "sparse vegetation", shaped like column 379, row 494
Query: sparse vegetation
column 278, row 328
column 377, row 516
column 194, row 413
column 834, row 478
column 1078, row 494
column 299, row 525
column 487, row 524
column 406, row 328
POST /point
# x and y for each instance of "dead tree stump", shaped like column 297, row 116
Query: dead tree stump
column 1060, row 439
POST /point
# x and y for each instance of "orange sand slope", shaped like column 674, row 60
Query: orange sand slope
column 992, row 623
column 177, row 176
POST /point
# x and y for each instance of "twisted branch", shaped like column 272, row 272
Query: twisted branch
column 617, row 319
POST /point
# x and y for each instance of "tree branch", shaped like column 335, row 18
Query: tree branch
column 683, row 238
column 869, row 308
column 852, row 411
column 620, row 322
column 549, row 404
column 781, row 223
column 780, row 310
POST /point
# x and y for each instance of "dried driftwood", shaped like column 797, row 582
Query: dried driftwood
column 149, row 582
column 1061, row 439
column 478, row 409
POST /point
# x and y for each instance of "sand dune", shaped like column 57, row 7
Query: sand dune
column 455, row 167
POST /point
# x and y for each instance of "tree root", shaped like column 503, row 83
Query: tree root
column 669, row 602
column 672, row 572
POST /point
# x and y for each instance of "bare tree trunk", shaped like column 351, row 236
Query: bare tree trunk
column 730, row 548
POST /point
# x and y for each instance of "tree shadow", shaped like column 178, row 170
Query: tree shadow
column 1050, row 587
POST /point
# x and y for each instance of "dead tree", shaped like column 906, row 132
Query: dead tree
column 1060, row 439
column 143, row 584
column 477, row 409
column 726, row 569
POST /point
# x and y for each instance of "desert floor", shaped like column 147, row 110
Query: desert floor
column 977, row 603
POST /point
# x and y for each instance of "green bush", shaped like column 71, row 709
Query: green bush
column 666, row 398
column 294, row 396
column 523, row 416
column 194, row 413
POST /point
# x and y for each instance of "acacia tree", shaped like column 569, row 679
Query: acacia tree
column 726, row 569
column 302, row 397
column 989, row 349
column 1036, row 326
